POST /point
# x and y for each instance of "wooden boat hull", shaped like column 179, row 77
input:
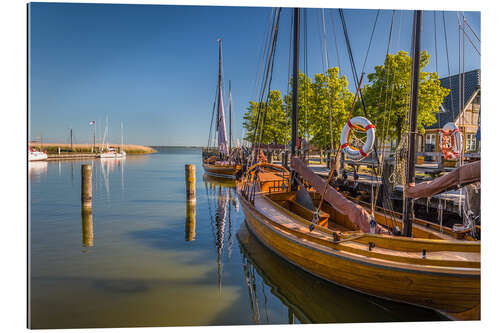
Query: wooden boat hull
column 222, row 171
column 313, row 300
column 452, row 291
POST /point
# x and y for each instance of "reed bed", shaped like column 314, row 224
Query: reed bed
column 52, row 148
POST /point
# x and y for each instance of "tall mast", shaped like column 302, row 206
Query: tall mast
column 219, row 80
column 295, row 84
column 230, row 111
column 221, row 122
column 121, row 127
column 410, row 175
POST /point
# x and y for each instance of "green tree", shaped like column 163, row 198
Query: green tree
column 330, row 95
column 305, row 105
column 388, row 92
column 273, row 120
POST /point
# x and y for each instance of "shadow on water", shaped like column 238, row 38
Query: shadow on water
column 310, row 299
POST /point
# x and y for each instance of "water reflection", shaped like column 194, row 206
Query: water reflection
column 36, row 169
column 107, row 167
column 309, row 299
column 190, row 220
column 87, row 228
column 221, row 198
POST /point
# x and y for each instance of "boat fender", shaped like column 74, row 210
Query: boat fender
column 362, row 124
column 371, row 245
column 335, row 237
column 450, row 141
column 424, row 253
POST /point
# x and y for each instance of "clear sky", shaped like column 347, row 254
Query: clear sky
column 154, row 67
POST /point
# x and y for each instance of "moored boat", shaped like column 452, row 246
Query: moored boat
column 221, row 161
column 303, row 219
column 35, row 155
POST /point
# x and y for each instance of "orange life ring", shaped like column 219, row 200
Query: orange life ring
column 450, row 141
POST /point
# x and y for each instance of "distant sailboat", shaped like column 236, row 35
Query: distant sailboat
column 111, row 152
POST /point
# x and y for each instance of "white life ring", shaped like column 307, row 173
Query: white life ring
column 450, row 141
column 353, row 152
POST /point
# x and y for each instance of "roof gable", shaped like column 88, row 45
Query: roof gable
column 450, row 105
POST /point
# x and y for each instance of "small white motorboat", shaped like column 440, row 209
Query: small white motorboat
column 35, row 155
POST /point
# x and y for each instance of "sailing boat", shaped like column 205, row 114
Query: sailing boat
column 111, row 152
column 220, row 162
column 337, row 240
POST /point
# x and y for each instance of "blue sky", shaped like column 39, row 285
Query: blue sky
column 154, row 68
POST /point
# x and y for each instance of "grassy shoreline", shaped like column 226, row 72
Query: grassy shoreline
column 53, row 148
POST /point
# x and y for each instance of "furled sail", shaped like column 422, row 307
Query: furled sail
column 466, row 174
column 354, row 212
column 221, row 126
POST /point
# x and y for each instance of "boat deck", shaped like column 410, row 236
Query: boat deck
column 292, row 222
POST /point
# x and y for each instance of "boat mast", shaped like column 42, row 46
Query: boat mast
column 230, row 127
column 219, row 82
column 410, row 173
column 221, row 123
column 121, row 127
column 295, row 83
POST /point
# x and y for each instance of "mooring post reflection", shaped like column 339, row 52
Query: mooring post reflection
column 87, row 227
column 190, row 220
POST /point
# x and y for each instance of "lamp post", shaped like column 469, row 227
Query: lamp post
column 92, row 122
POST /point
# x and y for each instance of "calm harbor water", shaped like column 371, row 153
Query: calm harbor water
column 142, row 258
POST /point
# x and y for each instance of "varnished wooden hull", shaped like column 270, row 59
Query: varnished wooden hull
column 222, row 171
column 313, row 300
column 451, row 290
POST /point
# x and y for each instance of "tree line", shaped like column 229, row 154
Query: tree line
column 326, row 99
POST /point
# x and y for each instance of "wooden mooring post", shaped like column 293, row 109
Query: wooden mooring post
column 87, row 186
column 190, row 182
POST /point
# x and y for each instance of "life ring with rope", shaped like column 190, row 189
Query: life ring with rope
column 450, row 141
column 361, row 124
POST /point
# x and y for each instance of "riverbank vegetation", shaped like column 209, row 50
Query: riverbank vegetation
column 53, row 148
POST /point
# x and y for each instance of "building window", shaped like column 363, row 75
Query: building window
column 430, row 139
column 430, row 142
column 470, row 142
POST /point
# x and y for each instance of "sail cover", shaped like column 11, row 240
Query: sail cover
column 466, row 174
column 221, row 126
column 354, row 212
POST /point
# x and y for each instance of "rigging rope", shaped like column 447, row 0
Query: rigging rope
column 328, row 80
column 449, row 70
column 436, row 55
column 268, row 78
column 353, row 68
column 370, row 43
